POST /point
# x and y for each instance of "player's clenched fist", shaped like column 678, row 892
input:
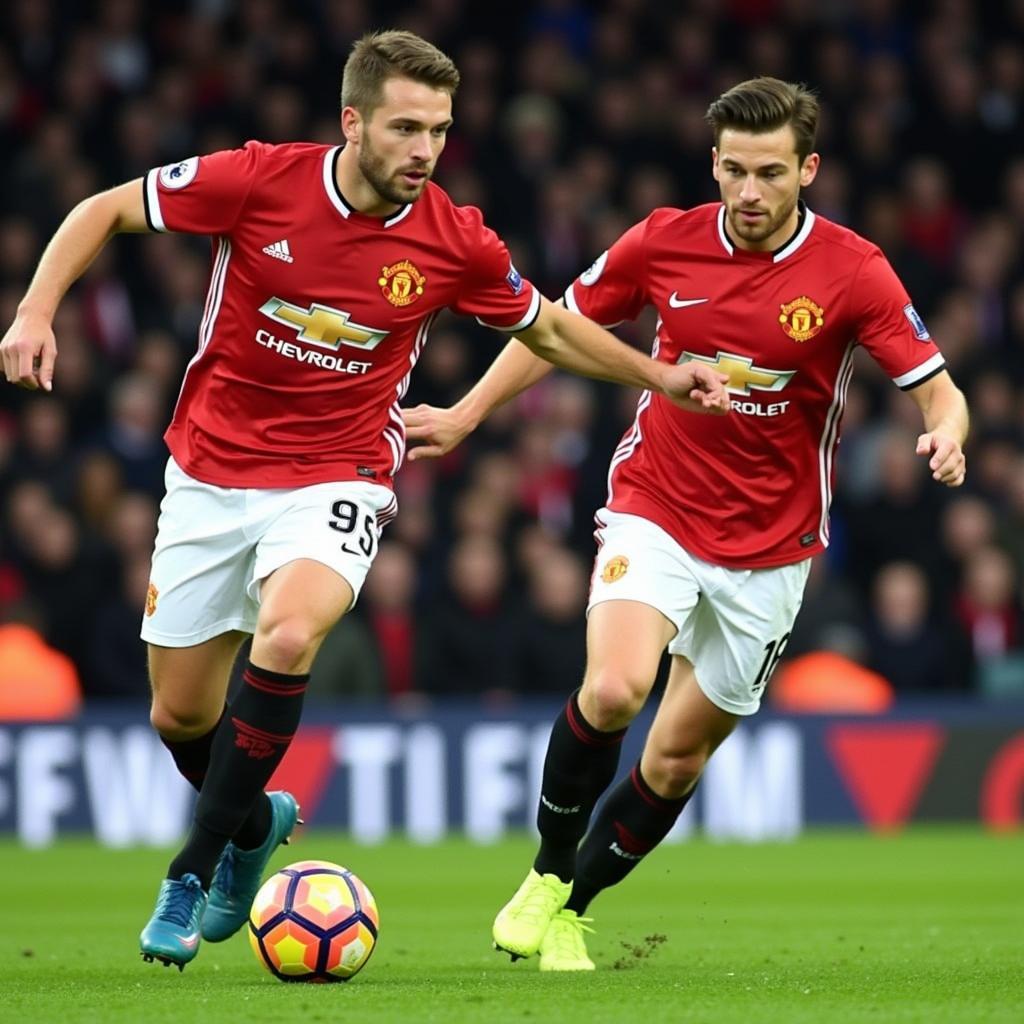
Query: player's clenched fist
column 697, row 387
column 29, row 351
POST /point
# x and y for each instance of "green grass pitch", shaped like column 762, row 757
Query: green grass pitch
column 837, row 926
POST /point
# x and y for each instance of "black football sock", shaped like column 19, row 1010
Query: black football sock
column 192, row 758
column 578, row 768
column 249, row 744
column 631, row 822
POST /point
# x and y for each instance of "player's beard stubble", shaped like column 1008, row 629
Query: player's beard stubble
column 387, row 185
column 765, row 227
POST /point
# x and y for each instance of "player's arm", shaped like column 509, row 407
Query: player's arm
column 29, row 349
column 944, row 409
column 561, row 338
column 515, row 370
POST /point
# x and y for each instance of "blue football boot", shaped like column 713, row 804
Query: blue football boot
column 239, row 872
column 172, row 935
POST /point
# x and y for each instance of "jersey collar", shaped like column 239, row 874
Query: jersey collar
column 803, row 230
column 343, row 207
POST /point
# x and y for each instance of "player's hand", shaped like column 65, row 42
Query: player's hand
column 435, row 431
column 946, row 461
column 697, row 387
column 29, row 351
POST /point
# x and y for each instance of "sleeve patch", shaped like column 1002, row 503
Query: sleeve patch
column 514, row 280
column 180, row 174
column 914, row 318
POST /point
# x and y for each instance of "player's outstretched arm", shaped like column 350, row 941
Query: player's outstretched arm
column 575, row 343
column 561, row 338
column 438, row 431
column 29, row 349
column 946, row 422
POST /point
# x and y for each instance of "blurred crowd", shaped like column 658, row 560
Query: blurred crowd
column 573, row 121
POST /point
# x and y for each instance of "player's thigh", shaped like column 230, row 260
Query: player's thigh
column 686, row 730
column 190, row 684
column 300, row 602
column 202, row 562
column 625, row 642
column 311, row 562
column 642, row 594
column 741, row 630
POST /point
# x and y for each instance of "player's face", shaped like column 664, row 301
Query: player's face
column 760, row 177
column 400, row 143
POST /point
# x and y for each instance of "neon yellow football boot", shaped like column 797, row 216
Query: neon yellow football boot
column 563, row 947
column 521, row 923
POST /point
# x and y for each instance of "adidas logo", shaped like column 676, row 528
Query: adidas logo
column 280, row 251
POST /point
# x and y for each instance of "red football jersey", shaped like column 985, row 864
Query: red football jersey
column 316, row 313
column 751, row 489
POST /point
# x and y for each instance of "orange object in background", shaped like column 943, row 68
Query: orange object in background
column 37, row 683
column 824, row 682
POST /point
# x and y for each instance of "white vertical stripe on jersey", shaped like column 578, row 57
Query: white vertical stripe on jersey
column 153, row 195
column 830, row 438
column 214, row 294
column 395, row 436
column 629, row 443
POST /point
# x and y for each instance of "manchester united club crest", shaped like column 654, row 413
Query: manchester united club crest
column 802, row 318
column 401, row 283
column 151, row 595
column 614, row 569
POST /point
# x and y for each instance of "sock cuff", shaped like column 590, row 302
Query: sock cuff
column 281, row 684
column 655, row 800
column 197, row 743
column 584, row 731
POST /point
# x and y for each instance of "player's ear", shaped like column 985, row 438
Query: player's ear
column 809, row 170
column 351, row 124
column 714, row 162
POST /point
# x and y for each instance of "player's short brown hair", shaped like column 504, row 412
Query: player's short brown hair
column 765, row 105
column 379, row 56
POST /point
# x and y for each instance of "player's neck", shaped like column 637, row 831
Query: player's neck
column 357, row 192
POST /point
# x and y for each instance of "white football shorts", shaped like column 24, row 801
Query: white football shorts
column 732, row 624
column 216, row 545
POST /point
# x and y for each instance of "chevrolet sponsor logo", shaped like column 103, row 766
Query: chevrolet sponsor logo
column 322, row 325
column 743, row 374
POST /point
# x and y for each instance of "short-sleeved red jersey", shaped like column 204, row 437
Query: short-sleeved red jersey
column 315, row 313
column 751, row 489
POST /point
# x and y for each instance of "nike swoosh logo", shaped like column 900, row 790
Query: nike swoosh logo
column 677, row 303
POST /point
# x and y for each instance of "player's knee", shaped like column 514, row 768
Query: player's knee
column 675, row 774
column 286, row 644
column 179, row 722
column 611, row 699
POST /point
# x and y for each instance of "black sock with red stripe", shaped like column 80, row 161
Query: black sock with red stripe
column 192, row 759
column 247, row 746
column 580, row 763
column 631, row 822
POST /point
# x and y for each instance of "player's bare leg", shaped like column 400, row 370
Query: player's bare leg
column 582, row 757
column 296, row 601
column 686, row 731
column 300, row 602
column 641, row 810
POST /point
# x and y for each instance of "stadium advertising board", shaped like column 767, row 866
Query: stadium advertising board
column 458, row 770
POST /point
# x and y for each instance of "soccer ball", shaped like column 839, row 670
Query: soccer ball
column 313, row 921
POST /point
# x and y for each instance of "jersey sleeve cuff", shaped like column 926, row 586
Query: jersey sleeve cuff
column 569, row 299
column 531, row 315
column 928, row 369
column 151, row 201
